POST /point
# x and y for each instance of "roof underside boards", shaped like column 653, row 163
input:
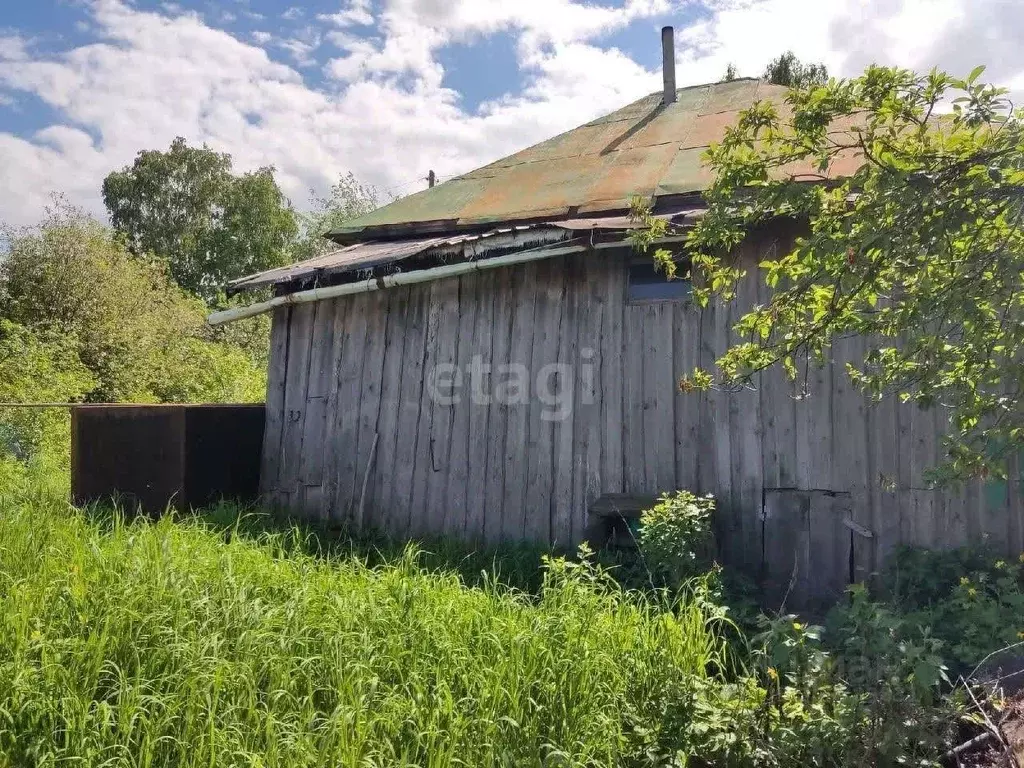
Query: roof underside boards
column 646, row 149
column 380, row 253
column 466, row 246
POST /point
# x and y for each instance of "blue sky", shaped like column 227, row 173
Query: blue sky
column 388, row 89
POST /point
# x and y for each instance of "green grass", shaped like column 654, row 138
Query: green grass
column 189, row 643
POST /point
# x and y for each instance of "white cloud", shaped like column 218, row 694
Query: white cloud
column 13, row 48
column 384, row 112
column 356, row 13
column 301, row 50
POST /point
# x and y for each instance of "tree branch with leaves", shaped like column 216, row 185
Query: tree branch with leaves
column 919, row 250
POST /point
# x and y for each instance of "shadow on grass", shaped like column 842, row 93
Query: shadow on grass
column 516, row 566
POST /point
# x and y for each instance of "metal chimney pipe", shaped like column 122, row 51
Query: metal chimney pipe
column 668, row 64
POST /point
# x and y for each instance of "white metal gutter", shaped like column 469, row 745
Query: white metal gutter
column 408, row 278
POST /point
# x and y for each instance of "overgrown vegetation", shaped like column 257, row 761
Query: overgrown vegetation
column 90, row 313
column 970, row 601
column 217, row 639
column 173, row 643
column 789, row 71
column 786, row 69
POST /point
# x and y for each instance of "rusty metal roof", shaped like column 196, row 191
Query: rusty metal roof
column 645, row 148
column 469, row 245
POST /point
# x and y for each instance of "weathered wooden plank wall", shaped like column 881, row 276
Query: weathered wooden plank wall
column 410, row 390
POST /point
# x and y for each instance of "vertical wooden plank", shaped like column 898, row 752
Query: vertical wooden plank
column 332, row 450
column 830, row 542
column 515, row 390
column 436, row 512
column 821, row 431
column 850, row 470
column 275, row 419
column 729, row 535
column 905, row 472
column 426, row 465
column 659, row 388
column 802, row 392
column 774, row 399
column 612, row 346
column 465, row 460
column 883, row 467
column 503, row 308
column 787, row 548
column 299, row 349
column 995, row 499
column 686, row 326
column 707, row 464
column 542, row 410
column 390, row 403
column 320, row 388
column 784, row 413
column 347, row 408
column 924, row 460
column 948, row 524
column 564, row 464
column 587, row 401
column 476, row 391
column 954, row 505
column 972, row 512
column 368, row 437
column 778, row 404
column 634, row 471
column 746, row 427
column 770, row 387
column 410, row 410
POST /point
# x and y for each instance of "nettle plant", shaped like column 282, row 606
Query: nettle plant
column 920, row 250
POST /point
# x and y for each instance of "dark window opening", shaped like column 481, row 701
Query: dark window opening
column 648, row 283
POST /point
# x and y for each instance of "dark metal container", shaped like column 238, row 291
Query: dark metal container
column 158, row 456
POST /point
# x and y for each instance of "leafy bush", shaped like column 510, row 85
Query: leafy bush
column 968, row 599
column 791, row 708
column 35, row 447
column 140, row 336
column 900, row 667
column 675, row 538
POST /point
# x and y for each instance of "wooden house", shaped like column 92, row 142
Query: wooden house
column 490, row 359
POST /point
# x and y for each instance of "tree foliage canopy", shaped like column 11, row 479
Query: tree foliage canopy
column 788, row 70
column 186, row 205
column 920, row 251
column 345, row 200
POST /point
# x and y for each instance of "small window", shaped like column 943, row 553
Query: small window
column 647, row 283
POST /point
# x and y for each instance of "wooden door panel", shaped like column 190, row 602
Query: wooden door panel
column 806, row 547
